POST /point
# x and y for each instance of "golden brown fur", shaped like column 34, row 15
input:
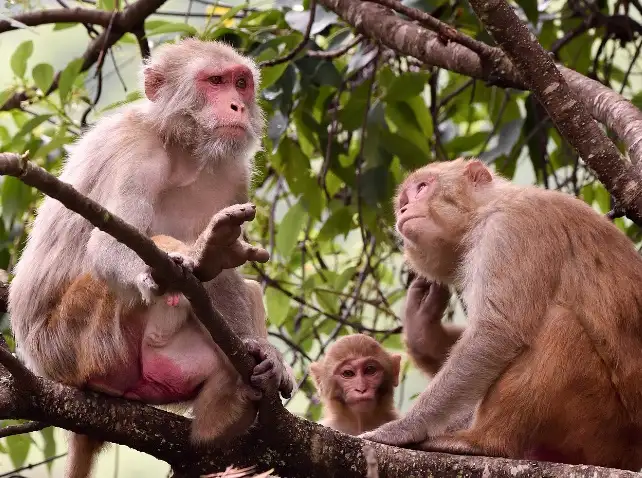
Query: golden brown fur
column 552, row 356
column 338, row 412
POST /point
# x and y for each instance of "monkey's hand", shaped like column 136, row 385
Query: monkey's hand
column 150, row 284
column 426, row 301
column 398, row 433
column 271, row 372
column 220, row 246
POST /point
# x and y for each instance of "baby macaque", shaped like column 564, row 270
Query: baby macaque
column 551, row 360
column 427, row 339
column 356, row 381
column 85, row 309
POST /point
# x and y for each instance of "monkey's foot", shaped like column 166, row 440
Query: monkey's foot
column 186, row 262
column 270, row 373
column 220, row 246
column 398, row 433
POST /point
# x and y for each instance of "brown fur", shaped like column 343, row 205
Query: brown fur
column 552, row 356
column 338, row 414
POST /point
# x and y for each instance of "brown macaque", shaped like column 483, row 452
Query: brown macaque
column 427, row 339
column 356, row 380
column 85, row 309
column 551, row 361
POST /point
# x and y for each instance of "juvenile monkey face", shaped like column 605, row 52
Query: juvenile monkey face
column 358, row 380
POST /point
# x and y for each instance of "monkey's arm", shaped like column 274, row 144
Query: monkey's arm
column 494, row 295
column 135, row 184
column 427, row 339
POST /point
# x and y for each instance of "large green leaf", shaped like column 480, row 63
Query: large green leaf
column 67, row 78
column 20, row 57
column 289, row 228
column 43, row 74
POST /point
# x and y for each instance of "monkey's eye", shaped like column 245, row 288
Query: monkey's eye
column 370, row 370
column 347, row 373
column 216, row 79
column 420, row 186
column 241, row 83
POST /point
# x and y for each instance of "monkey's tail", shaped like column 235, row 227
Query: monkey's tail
column 82, row 452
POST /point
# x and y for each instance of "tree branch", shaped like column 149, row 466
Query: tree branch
column 292, row 446
column 405, row 37
column 55, row 15
column 127, row 21
column 620, row 177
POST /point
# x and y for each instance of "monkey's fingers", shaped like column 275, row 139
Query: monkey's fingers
column 182, row 260
column 397, row 433
column 148, row 287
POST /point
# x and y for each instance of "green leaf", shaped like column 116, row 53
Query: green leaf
column 289, row 229
column 270, row 74
column 20, row 57
column 278, row 305
column 172, row 27
column 406, row 86
column 530, row 8
column 107, row 5
column 64, row 25
column 18, row 447
column 50, row 444
column 340, row 222
column 15, row 198
column 29, row 126
column 43, row 74
column 131, row 96
column 6, row 94
column 67, row 78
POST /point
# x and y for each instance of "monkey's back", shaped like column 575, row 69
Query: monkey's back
column 590, row 273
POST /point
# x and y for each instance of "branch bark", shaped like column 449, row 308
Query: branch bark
column 408, row 38
column 55, row 15
column 292, row 446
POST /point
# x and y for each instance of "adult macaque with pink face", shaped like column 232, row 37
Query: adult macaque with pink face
column 356, row 380
column 85, row 309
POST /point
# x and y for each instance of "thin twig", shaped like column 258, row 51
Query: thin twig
column 300, row 46
column 22, row 428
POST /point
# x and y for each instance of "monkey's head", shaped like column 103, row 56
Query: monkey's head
column 434, row 208
column 203, row 96
column 356, row 372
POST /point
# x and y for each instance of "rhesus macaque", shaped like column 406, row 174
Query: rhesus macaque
column 551, row 361
column 356, row 380
column 427, row 339
column 85, row 309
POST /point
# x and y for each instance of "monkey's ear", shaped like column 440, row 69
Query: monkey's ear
column 153, row 82
column 316, row 370
column 396, row 368
column 478, row 172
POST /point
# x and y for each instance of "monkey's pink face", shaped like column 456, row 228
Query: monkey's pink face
column 412, row 208
column 229, row 93
column 359, row 379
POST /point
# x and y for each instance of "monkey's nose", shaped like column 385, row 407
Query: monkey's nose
column 237, row 107
column 403, row 209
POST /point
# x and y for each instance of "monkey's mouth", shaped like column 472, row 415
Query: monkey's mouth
column 232, row 130
column 403, row 220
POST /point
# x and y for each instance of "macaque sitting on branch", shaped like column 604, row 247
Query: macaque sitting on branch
column 85, row 309
column 551, row 361
column 356, row 380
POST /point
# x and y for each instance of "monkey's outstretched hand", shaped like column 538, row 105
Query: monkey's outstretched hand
column 271, row 372
column 220, row 245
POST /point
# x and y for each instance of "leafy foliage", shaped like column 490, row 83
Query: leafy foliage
column 343, row 130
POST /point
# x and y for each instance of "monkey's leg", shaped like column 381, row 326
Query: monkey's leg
column 225, row 407
column 82, row 452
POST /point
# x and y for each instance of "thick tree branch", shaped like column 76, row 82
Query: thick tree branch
column 127, row 21
column 405, row 37
column 55, row 15
column 292, row 446
column 620, row 177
